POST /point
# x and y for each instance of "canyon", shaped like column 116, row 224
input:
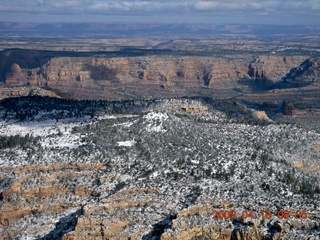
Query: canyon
column 153, row 75
column 145, row 138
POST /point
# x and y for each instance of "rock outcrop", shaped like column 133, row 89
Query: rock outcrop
column 25, row 91
column 307, row 72
column 288, row 108
column 23, row 198
column 135, row 77
column 272, row 67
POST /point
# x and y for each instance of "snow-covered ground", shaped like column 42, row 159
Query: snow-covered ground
column 112, row 116
column 53, row 134
column 182, row 156
column 126, row 143
column 40, row 128
column 154, row 121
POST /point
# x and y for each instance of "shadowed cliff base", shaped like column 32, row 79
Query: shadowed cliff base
column 64, row 226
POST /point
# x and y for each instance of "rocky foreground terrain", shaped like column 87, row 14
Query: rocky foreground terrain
column 154, row 170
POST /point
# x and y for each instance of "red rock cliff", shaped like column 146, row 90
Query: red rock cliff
column 101, row 77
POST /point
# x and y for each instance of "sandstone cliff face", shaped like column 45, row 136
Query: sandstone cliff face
column 101, row 77
column 307, row 72
column 26, row 59
column 273, row 67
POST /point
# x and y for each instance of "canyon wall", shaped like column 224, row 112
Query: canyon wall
column 131, row 77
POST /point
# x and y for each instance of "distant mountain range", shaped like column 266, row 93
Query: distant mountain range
column 155, row 29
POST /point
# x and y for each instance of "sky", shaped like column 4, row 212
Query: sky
column 282, row 12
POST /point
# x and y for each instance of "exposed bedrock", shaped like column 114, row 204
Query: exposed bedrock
column 99, row 77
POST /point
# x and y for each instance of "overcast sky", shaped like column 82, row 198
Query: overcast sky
column 148, row 11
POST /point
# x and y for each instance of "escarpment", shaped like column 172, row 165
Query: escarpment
column 113, row 78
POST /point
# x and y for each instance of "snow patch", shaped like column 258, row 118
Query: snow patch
column 107, row 116
column 156, row 116
column 38, row 128
column 125, row 124
column 125, row 177
column 126, row 143
column 54, row 134
column 155, row 121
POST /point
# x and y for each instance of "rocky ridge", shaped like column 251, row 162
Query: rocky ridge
column 115, row 78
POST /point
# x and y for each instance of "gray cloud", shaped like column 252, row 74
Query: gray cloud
column 185, row 9
column 88, row 6
column 107, row 6
column 258, row 5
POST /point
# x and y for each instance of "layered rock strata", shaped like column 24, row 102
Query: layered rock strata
column 133, row 77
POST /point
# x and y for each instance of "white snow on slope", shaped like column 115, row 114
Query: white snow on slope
column 39, row 128
column 154, row 121
column 126, row 143
column 48, row 130
column 107, row 116
column 125, row 124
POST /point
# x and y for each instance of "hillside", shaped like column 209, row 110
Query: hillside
column 154, row 170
